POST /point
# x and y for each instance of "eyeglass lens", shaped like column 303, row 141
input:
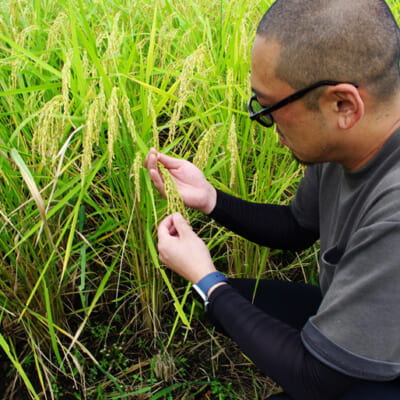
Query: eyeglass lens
column 265, row 119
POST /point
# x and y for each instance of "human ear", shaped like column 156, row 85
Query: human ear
column 349, row 105
column 346, row 104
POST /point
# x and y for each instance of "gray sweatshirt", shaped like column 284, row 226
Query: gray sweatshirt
column 357, row 213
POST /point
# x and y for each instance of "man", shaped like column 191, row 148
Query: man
column 327, row 74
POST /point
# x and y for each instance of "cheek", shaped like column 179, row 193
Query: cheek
column 286, row 122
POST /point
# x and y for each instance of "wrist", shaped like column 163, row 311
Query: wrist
column 211, row 200
column 212, row 288
column 205, row 286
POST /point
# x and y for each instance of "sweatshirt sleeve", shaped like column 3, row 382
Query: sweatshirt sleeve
column 275, row 347
column 266, row 224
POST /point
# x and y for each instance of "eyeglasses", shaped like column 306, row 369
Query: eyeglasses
column 263, row 114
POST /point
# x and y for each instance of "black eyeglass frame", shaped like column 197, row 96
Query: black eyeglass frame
column 256, row 116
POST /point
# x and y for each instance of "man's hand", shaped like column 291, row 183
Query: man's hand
column 181, row 250
column 194, row 188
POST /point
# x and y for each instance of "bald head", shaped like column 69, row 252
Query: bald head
column 344, row 40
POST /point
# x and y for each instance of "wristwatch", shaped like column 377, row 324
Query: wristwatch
column 203, row 285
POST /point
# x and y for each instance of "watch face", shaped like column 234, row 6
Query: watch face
column 199, row 296
column 199, row 293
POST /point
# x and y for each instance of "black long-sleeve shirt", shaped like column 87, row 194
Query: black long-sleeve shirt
column 266, row 224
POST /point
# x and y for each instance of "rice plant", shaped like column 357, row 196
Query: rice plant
column 87, row 87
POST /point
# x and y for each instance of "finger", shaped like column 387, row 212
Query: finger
column 150, row 161
column 165, row 225
column 165, row 231
column 157, row 179
column 169, row 162
column 152, row 166
column 181, row 225
column 150, row 154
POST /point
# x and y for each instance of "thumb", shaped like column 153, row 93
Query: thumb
column 168, row 162
column 181, row 225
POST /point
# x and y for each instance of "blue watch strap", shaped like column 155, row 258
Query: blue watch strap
column 203, row 286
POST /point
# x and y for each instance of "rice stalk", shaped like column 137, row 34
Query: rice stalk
column 233, row 151
column 137, row 166
column 229, row 85
column 126, row 112
column 184, row 89
column 151, row 43
column 114, row 42
column 205, row 147
column 66, row 81
column 28, row 178
column 113, row 118
column 91, row 132
column 254, row 185
column 173, row 197
column 166, row 37
column 20, row 39
column 49, row 130
column 101, row 38
column 153, row 116
column 55, row 33
column 85, row 67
